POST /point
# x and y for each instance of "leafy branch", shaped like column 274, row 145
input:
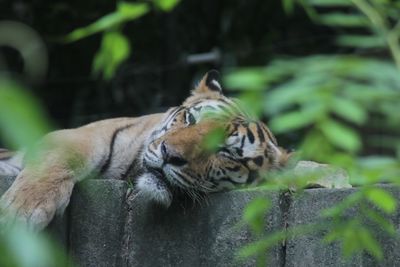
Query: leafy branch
column 115, row 46
column 331, row 98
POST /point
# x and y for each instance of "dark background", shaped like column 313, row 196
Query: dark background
column 244, row 32
column 157, row 75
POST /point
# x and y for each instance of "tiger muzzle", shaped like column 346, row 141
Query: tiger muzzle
column 171, row 157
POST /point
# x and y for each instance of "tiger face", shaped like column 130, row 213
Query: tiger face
column 176, row 159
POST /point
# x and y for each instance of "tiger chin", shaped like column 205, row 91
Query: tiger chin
column 162, row 154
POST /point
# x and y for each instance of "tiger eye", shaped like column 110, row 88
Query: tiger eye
column 191, row 119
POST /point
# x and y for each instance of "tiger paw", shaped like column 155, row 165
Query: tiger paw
column 322, row 175
column 33, row 211
column 35, row 203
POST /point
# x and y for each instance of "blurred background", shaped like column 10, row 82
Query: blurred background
column 160, row 70
column 168, row 49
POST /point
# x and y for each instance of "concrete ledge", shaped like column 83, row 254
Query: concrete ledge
column 96, row 222
column 108, row 225
column 309, row 250
column 187, row 235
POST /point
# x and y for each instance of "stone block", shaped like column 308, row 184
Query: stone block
column 194, row 235
column 309, row 250
column 390, row 245
column 58, row 230
column 96, row 222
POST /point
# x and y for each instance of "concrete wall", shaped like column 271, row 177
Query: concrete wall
column 107, row 224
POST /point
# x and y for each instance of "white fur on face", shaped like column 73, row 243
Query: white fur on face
column 155, row 189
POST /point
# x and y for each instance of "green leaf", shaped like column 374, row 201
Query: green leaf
column 342, row 206
column 329, row 3
column 104, row 23
column 255, row 212
column 361, row 41
column 261, row 246
column 349, row 110
column 344, row 20
column 375, row 162
column 252, row 103
column 294, row 120
column 350, row 239
column 246, row 79
column 132, row 11
column 382, row 199
column 290, row 121
column 384, row 223
column 27, row 249
column 22, row 120
column 114, row 50
column 125, row 12
column 254, row 249
column 166, row 5
column 332, row 236
column 369, row 243
column 341, row 135
column 288, row 6
column 314, row 146
column 256, row 208
column 214, row 139
column 288, row 94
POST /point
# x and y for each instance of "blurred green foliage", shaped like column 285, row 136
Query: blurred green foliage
column 23, row 122
column 333, row 99
column 324, row 94
column 124, row 12
column 27, row 123
column 214, row 139
column 115, row 47
column 21, row 248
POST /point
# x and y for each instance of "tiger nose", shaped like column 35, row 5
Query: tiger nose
column 170, row 157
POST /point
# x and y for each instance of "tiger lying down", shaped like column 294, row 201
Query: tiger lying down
column 162, row 153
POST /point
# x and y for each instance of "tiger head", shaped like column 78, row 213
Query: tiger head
column 175, row 159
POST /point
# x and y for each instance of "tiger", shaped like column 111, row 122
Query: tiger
column 162, row 154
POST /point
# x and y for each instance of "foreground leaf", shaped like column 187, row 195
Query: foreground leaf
column 114, row 50
column 125, row 12
column 341, row 135
column 22, row 120
column 382, row 199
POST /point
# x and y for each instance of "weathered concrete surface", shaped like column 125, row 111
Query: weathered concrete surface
column 207, row 235
column 390, row 244
column 58, row 229
column 309, row 250
column 96, row 222
column 107, row 228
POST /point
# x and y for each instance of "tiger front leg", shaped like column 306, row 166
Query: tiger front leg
column 34, row 201
column 44, row 186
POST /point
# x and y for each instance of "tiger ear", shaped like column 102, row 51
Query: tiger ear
column 209, row 83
